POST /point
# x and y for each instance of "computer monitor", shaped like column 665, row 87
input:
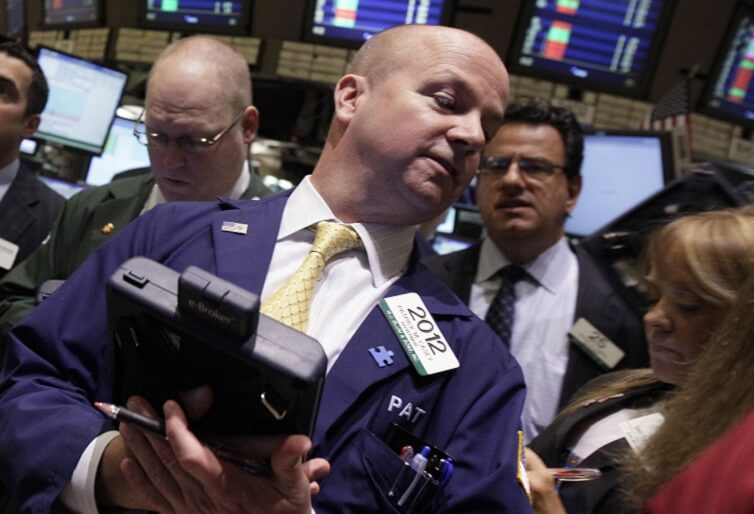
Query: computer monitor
column 122, row 152
column 15, row 18
column 82, row 102
column 729, row 91
column 620, row 170
column 63, row 187
column 68, row 14
column 229, row 17
column 607, row 46
column 348, row 23
column 28, row 146
column 460, row 228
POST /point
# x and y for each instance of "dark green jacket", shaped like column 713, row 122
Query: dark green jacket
column 87, row 220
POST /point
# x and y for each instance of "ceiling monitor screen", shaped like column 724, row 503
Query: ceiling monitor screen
column 15, row 18
column 82, row 103
column 72, row 13
column 729, row 92
column 122, row 153
column 620, row 170
column 351, row 22
column 602, row 45
column 229, row 17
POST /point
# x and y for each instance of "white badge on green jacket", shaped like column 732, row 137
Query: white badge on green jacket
column 426, row 347
column 596, row 344
column 8, row 252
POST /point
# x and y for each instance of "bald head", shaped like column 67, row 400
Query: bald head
column 410, row 120
column 393, row 48
column 205, row 59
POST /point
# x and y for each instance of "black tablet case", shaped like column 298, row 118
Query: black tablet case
column 172, row 332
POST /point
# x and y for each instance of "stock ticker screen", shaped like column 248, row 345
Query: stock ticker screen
column 730, row 91
column 352, row 22
column 601, row 44
column 70, row 12
column 196, row 15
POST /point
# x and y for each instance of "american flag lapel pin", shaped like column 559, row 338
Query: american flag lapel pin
column 234, row 227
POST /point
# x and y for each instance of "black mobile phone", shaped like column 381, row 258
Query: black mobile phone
column 173, row 332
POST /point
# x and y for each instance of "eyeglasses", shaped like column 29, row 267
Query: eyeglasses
column 186, row 144
column 530, row 167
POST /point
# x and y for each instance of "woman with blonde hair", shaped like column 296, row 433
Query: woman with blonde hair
column 694, row 266
column 717, row 394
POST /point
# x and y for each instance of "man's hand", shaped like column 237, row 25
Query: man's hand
column 181, row 474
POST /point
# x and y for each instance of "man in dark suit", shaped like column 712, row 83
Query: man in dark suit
column 27, row 206
column 198, row 135
column 529, row 181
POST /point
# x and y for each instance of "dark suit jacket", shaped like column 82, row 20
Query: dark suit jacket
column 79, row 231
column 27, row 212
column 597, row 301
column 600, row 496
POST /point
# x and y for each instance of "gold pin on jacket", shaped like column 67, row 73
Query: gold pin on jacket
column 108, row 228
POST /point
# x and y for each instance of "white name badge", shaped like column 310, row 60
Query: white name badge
column 426, row 347
column 8, row 252
column 637, row 431
column 595, row 344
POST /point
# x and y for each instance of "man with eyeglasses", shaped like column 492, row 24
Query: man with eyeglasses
column 198, row 125
column 540, row 293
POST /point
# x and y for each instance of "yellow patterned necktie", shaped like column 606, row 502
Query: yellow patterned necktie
column 290, row 304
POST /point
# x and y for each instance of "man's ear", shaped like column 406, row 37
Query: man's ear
column 574, row 189
column 349, row 91
column 250, row 124
column 31, row 124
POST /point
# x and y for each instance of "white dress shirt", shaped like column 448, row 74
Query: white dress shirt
column 351, row 286
column 242, row 184
column 8, row 174
column 544, row 311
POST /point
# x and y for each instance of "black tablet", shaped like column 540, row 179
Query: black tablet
column 172, row 332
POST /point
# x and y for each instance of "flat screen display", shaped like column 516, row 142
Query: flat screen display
column 230, row 17
column 15, row 17
column 28, row 147
column 71, row 13
column 602, row 45
column 729, row 93
column 620, row 170
column 62, row 187
column 122, row 152
column 351, row 22
column 82, row 103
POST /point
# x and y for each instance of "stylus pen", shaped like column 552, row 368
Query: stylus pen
column 575, row 474
column 157, row 426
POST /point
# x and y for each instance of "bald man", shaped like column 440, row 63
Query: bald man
column 404, row 143
column 198, row 127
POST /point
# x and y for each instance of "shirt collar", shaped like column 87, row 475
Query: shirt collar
column 388, row 247
column 9, row 172
column 241, row 185
column 542, row 269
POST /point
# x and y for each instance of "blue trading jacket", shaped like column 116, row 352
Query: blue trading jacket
column 58, row 363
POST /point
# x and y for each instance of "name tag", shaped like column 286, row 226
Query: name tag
column 637, row 431
column 426, row 347
column 8, row 252
column 595, row 344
